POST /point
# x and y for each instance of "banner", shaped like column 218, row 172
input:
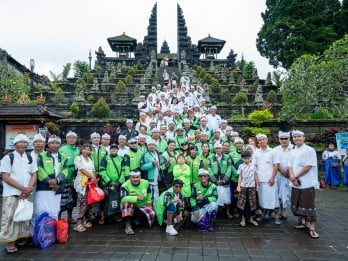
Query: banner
column 12, row 130
column 342, row 142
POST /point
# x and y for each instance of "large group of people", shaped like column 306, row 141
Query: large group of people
column 180, row 164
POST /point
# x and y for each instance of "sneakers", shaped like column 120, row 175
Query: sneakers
column 277, row 222
column 170, row 230
column 128, row 230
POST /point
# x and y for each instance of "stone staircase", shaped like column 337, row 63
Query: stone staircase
column 170, row 70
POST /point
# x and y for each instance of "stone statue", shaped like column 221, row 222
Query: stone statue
column 95, row 85
column 183, row 55
column 259, row 94
column 106, row 77
column 268, row 79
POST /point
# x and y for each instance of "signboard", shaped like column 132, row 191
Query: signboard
column 12, row 130
column 342, row 142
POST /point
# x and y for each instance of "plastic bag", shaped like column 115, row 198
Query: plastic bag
column 62, row 227
column 112, row 204
column 94, row 193
column 45, row 231
column 24, row 211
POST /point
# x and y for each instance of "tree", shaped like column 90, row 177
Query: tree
column 241, row 99
column 317, row 83
column 100, row 109
column 81, row 69
column 66, row 70
column 341, row 21
column 294, row 28
column 277, row 78
column 247, row 68
column 12, row 84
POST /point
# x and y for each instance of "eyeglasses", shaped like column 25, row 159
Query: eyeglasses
column 133, row 143
column 283, row 138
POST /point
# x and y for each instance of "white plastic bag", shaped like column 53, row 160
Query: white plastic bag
column 24, row 211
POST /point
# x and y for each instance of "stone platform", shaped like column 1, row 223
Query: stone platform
column 229, row 241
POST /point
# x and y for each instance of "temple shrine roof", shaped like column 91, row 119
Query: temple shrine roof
column 210, row 42
column 122, row 40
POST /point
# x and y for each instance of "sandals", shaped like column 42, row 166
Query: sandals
column 129, row 231
column 21, row 242
column 254, row 223
column 87, row 224
column 242, row 223
column 79, row 228
column 313, row 234
column 229, row 215
column 11, row 249
column 277, row 222
column 101, row 222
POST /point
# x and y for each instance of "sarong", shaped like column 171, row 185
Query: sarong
column 68, row 200
column 128, row 210
column 302, row 204
column 332, row 174
column 12, row 231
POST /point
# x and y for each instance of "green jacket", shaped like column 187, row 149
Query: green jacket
column 71, row 152
column 111, row 170
column 164, row 200
column 185, row 175
column 132, row 161
column 178, row 141
column 168, row 168
column 234, row 172
column 199, row 147
column 209, row 194
column 237, row 160
column 147, row 166
column 194, row 164
column 204, row 164
column 220, row 170
column 130, row 193
column 46, row 170
column 97, row 157
column 161, row 146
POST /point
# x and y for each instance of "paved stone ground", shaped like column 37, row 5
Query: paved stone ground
column 229, row 241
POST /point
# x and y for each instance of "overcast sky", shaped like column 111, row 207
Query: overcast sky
column 55, row 32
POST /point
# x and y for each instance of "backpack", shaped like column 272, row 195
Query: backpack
column 11, row 155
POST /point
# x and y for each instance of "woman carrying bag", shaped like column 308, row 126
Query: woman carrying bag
column 85, row 172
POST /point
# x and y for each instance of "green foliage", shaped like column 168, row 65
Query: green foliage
column 225, row 96
column 100, row 109
column 128, row 79
column 247, row 68
column 317, row 83
column 81, row 69
column 277, row 78
column 98, row 70
column 215, row 87
column 207, row 78
column 272, row 96
column 59, row 96
column 294, row 28
column 235, row 117
column 90, row 77
column 253, row 131
column 120, row 86
column 66, row 70
column 74, row 107
column 139, row 65
column 90, row 98
column 257, row 117
column 11, row 83
column 81, row 83
column 52, row 127
column 240, row 99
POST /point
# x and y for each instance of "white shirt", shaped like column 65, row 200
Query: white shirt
column 20, row 171
column 305, row 156
column 213, row 122
column 264, row 161
column 282, row 157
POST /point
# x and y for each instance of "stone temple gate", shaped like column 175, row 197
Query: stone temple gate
column 129, row 50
